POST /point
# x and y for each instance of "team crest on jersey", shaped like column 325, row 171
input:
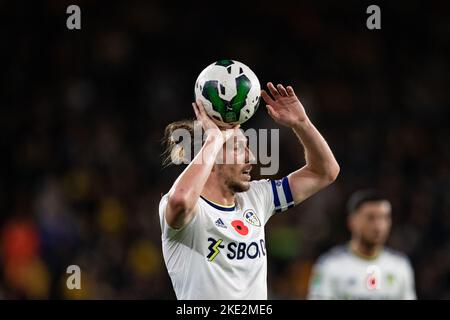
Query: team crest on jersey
column 252, row 218
column 390, row 279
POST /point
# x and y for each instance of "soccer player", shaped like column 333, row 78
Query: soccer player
column 364, row 268
column 213, row 217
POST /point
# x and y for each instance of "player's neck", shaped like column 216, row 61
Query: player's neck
column 363, row 251
column 218, row 194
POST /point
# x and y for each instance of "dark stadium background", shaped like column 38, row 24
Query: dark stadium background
column 83, row 112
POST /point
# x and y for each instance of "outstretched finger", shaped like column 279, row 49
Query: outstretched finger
column 290, row 91
column 197, row 112
column 201, row 108
column 273, row 90
column 282, row 90
column 267, row 98
column 271, row 111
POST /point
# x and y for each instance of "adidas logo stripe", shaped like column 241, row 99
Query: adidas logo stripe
column 220, row 223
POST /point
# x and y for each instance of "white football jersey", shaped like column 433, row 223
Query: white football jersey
column 341, row 274
column 221, row 252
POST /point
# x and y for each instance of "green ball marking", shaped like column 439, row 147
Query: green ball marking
column 229, row 110
column 224, row 62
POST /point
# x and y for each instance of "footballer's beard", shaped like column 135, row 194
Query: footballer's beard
column 240, row 180
column 372, row 243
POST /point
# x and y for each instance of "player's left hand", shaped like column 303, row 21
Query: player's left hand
column 284, row 107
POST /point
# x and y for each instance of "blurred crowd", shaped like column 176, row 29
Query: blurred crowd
column 83, row 112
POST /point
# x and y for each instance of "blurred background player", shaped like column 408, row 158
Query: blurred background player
column 364, row 268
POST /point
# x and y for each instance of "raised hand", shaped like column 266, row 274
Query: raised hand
column 210, row 127
column 284, row 106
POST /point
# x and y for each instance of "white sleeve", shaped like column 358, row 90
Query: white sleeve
column 409, row 285
column 275, row 195
column 321, row 283
column 168, row 231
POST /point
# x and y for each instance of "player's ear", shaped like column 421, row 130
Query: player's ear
column 351, row 221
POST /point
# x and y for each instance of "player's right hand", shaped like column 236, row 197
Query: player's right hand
column 208, row 124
